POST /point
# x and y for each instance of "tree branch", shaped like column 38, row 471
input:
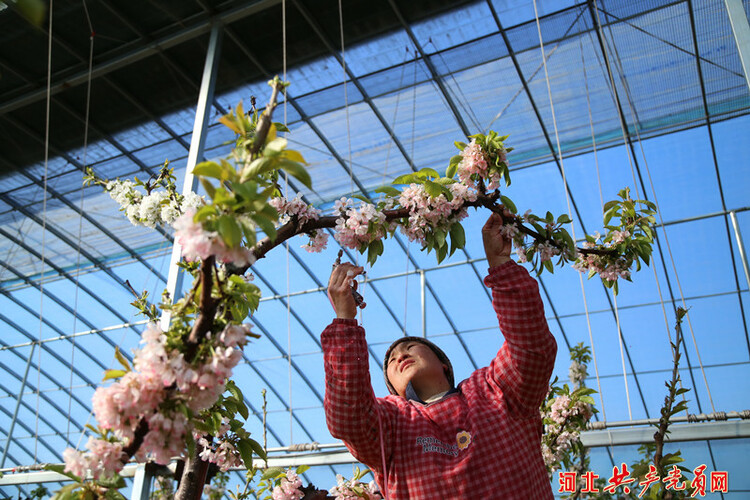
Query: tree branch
column 294, row 228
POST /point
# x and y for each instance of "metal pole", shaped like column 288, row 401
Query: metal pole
column 141, row 483
column 18, row 404
column 741, row 30
column 740, row 246
column 424, row 300
column 197, row 143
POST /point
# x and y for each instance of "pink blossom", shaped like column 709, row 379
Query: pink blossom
column 76, row 462
column 289, row 488
column 619, row 236
column 318, row 242
column 547, row 251
column 235, row 335
column 427, row 213
column 509, row 231
column 521, row 252
column 198, row 243
column 358, row 227
column 294, row 208
column 166, row 436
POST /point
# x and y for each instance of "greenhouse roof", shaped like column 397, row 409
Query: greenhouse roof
column 646, row 94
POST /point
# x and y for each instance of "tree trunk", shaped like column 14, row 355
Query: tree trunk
column 193, row 477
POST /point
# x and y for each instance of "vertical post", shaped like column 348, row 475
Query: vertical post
column 197, row 143
column 740, row 246
column 18, row 404
column 424, row 303
column 741, row 30
column 141, row 483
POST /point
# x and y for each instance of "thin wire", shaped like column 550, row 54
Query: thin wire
column 80, row 219
column 653, row 268
column 395, row 115
column 283, row 36
column 44, row 225
column 567, row 194
column 463, row 101
column 601, row 200
column 346, row 100
column 533, row 75
column 661, row 220
column 286, row 245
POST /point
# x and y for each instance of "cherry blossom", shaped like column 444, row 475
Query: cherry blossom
column 197, row 243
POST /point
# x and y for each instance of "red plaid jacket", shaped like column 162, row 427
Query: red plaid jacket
column 481, row 442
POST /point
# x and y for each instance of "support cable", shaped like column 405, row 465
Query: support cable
column 44, row 220
column 610, row 87
column 80, row 219
column 286, row 245
column 601, row 201
column 656, row 200
column 346, row 98
column 567, row 199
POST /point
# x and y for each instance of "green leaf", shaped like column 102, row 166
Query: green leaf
column 293, row 155
column 450, row 172
column 404, row 179
column 112, row 482
column 388, row 191
column 275, row 147
column 229, row 231
column 361, row 198
column 460, row 145
column 508, row 203
column 66, row 492
column 441, row 252
column 257, row 448
column 204, row 213
column 609, row 205
column 208, row 169
column 458, row 237
column 439, row 237
column 428, row 172
column 564, row 219
column 122, row 359
column 60, row 469
column 271, row 472
column 246, row 452
column 297, row 171
column 302, row 469
column 265, row 224
column 111, row 374
column 432, row 188
column 374, row 250
column 257, row 167
column 114, row 495
column 548, row 266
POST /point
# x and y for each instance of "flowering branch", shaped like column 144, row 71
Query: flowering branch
column 174, row 397
column 669, row 409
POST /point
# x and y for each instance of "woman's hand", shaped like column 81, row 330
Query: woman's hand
column 496, row 246
column 340, row 289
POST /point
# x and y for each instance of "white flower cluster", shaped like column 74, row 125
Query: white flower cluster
column 353, row 489
column 148, row 210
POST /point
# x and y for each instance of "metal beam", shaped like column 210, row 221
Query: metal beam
column 740, row 247
column 18, row 405
column 185, row 34
column 63, row 273
column 141, row 483
column 197, row 145
column 709, row 129
column 677, row 432
column 433, row 72
column 741, row 31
